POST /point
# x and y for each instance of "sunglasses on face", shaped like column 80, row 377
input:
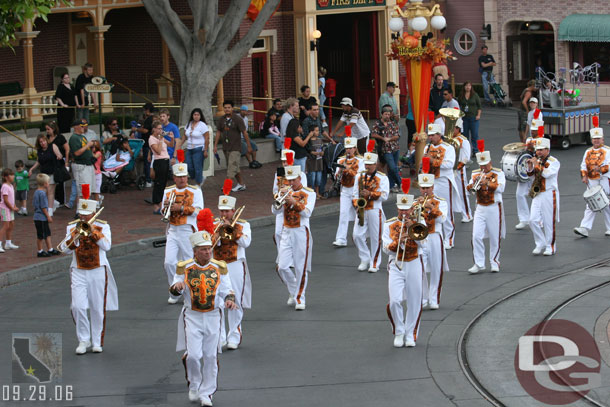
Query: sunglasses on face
column 84, row 125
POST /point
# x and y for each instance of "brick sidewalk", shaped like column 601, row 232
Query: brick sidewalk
column 132, row 219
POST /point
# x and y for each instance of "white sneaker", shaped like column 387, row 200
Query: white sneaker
column 232, row 346
column 537, row 250
column 11, row 246
column 424, row 304
column 299, row 307
column 433, row 306
column 466, row 220
column 548, row 252
column 448, row 246
column 205, row 401
column 495, row 268
column 1, row 249
column 82, row 347
column 373, row 269
column 193, row 395
column 55, row 204
column 291, row 301
column 238, row 187
column 399, row 341
column 581, row 231
column 148, row 184
column 20, row 211
column 521, row 225
column 97, row 349
column 363, row 266
column 25, row 212
column 474, row 269
column 607, row 232
column 409, row 343
column 172, row 300
column 337, row 243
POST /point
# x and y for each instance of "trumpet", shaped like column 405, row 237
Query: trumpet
column 477, row 185
column 279, row 198
column 228, row 231
column 83, row 229
column 168, row 209
column 418, row 230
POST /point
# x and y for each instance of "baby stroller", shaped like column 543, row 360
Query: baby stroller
column 498, row 94
column 129, row 172
column 331, row 156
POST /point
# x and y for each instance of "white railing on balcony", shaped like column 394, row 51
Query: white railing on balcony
column 11, row 107
column 48, row 98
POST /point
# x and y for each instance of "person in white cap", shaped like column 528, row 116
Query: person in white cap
column 352, row 117
column 374, row 188
column 296, row 242
column 533, row 105
column 461, row 175
column 182, row 221
column 231, row 248
column 206, row 288
column 442, row 160
column 434, row 256
column 350, row 165
column 523, row 188
column 545, row 197
column 593, row 172
column 405, row 269
column 92, row 282
column 487, row 184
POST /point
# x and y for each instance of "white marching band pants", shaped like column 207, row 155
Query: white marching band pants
column 589, row 216
column 487, row 223
column 523, row 208
column 177, row 248
column 373, row 227
column 88, row 292
column 543, row 215
column 435, row 263
column 405, row 286
column 295, row 249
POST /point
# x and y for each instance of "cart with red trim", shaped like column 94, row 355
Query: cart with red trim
column 569, row 125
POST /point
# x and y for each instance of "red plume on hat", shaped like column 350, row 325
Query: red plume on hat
column 425, row 165
column 595, row 120
column 481, row 145
column 540, row 131
column 430, row 116
column 205, row 220
column 370, row 147
column 85, row 191
column 287, row 143
column 348, row 131
column 226, row 187
column 536, row 113
column 180, row 156
column 405, row 185
column 290, row 158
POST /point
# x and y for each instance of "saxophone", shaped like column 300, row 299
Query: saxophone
column 537, row 184
column 361, row 202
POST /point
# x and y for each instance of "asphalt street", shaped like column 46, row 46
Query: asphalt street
column 336, row 353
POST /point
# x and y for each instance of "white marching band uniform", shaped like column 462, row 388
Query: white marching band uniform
column 296, row 241
column 93, row 286
column 461, row 175
column 523, row 188
column 347, row 212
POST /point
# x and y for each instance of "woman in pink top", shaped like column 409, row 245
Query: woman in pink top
column 158, row 145
column 96, row 149
column 7, row 209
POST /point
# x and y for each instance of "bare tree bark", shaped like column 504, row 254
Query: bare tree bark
column 202, row 53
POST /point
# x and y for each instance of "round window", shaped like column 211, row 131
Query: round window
column 464, row 41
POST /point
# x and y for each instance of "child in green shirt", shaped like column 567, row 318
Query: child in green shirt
column 22, row 180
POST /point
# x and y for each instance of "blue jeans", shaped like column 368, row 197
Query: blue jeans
column 301, row 162
column 145, row 150
column 278, row 141
column 314, row 179
column 393, row 174
column 82, row 113
column 471, row 125
column 194, row 159
column 72, row 200
column 487, row 78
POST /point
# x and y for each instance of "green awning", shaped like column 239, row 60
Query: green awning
column 585, row 28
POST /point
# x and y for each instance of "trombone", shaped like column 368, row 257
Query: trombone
column 279, row 198
column 227, row 231
column 83, row 229
column 167, row 211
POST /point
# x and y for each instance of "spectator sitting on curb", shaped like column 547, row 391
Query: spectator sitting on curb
column 270, row 130
column 251, row 157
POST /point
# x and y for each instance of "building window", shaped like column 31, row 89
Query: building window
column 464, row 41
column 597, row 52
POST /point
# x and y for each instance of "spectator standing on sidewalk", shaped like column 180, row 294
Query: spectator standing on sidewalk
column 387, row 98
column 251, row 157
column 7, row 209
column 230, row 127
column 470, row 104
column 197, row 138
column 486, row 66
column 315, row 118
column 386, row 132
column 144, row 132
column 410, row 120
column 171, row 133
column 352, row 117
column 82, row 96
column 524, row 109
column 55, row 137
column 159, row 145
column 42, row 217
column 305, row 102
column 292, row 110
column 315, row 162
column 48, row 157
column 82, row 161
column 299, row 143
column 22, row 181
column 436, row 94
column 449, row 100
column 321, row 93
column 65, row 96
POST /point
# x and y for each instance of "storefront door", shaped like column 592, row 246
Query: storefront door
column 518, row 57
column 366, row 63
column 260, row 86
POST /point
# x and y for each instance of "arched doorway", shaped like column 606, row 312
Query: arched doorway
column 529, row 45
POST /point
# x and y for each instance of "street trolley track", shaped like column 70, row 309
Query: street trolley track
column 461, row 345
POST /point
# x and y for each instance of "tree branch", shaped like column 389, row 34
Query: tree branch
column 197, row 10
column 210, row 21
column 231, row 23
column 172, row 34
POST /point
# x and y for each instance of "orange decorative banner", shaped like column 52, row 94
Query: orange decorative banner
column 419, row 79
column 255, row 7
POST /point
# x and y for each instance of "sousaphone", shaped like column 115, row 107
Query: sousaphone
column 451, row 117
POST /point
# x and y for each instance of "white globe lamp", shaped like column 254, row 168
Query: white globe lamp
column 396, row 24
column 438, row 22
column 419, row 23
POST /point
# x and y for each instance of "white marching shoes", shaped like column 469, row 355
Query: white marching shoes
column 581, row 231
column 291, row 301
column 521, row 225
column 82, row 347
column 193, row 395
column 474, row 269
column 495, row 268
column 399, row 341
column 300, row 307
column 363, row 266
column 409, row 343
column 97, row 349
column 537, row 250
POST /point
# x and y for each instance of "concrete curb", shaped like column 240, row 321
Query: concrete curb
column 62, row 263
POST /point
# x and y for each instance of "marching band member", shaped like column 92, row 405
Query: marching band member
column 523, row 188
column 206, row 289
column 594, row 171
column 461, row 176
column 487, row 184
column 405, row 270
column 442, row 159
column 435, row 259
column 231, row 248
column 349, row 166
column 371, row 189
column 545, row 197
column 92, row 283
column 281, row 183
column 186, row 202
column 296, row 241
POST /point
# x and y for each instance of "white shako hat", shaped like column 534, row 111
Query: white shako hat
column 404, row 201
column 87, row 206
column 180, row 170
column 370, row 158
column 542, row 143
column 201, row 238
column 434, row 128
column 226, row 202
column 350, row 142
column 293, row 172
column 596, row 132
column 425, row 180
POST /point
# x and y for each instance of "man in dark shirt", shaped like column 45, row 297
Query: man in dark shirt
column 436, row 94
column 486, row 66
column 82, row 157
column 82, row 99
column 277, row 109
column 230, row 127
column 305, row 102
column 144, row 133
